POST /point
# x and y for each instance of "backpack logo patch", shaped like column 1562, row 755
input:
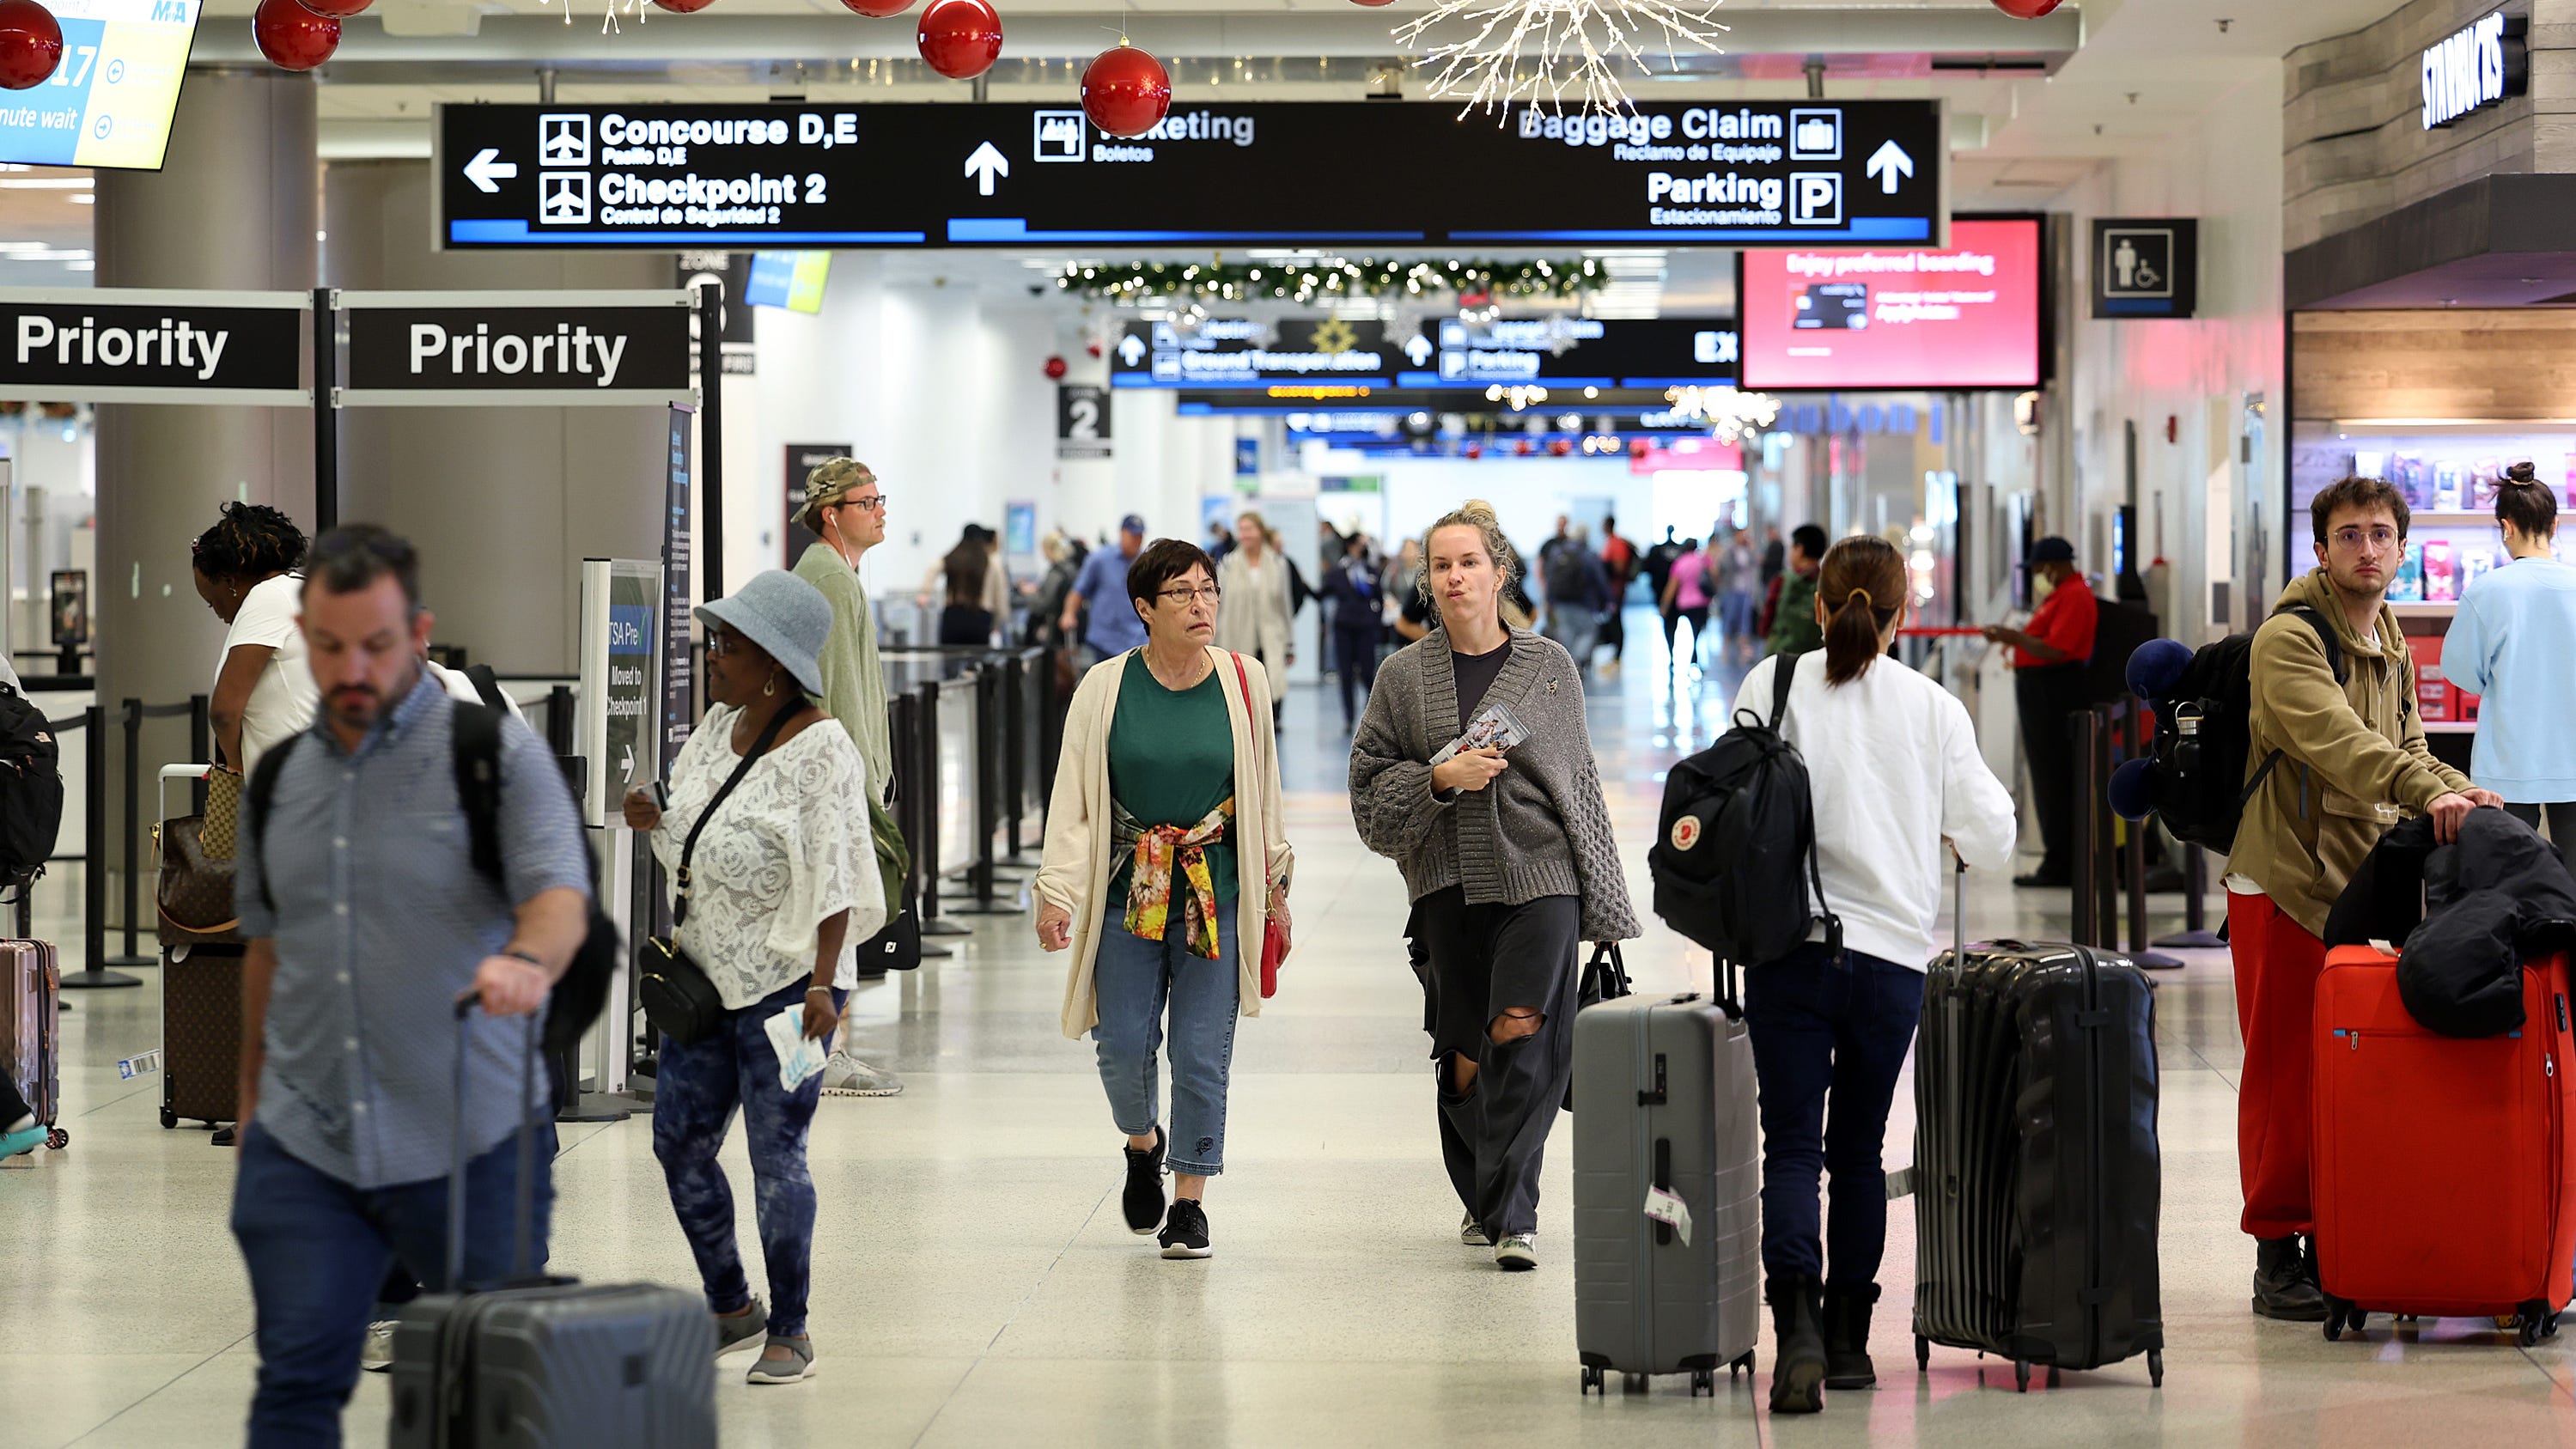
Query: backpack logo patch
column 1686, row 832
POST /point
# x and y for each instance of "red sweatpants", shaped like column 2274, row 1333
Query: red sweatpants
column 2277, row 962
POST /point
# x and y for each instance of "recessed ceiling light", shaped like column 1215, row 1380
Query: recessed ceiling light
column 82, row 198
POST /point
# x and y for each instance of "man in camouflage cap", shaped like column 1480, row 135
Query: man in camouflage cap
column 845, row 508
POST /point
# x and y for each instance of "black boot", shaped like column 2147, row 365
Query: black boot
column 1847, row 1312
column 1798, row 1353
column 2285, row 1282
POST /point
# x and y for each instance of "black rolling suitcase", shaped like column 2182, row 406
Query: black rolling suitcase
column 1664, row 1102
column 2037, row 1172
column 542, row 1361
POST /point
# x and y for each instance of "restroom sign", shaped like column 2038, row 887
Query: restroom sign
column 2146, row 268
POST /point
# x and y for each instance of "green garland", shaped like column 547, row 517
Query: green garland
column 1310, row 281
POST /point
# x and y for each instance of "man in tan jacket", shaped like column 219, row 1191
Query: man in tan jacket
column 2351, row 762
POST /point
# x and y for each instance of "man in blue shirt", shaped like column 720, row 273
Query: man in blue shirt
column 1115, row 628
column 367, row 921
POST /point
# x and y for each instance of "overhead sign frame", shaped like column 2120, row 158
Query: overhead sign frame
column 770, row 175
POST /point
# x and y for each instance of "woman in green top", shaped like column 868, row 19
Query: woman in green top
column 1162, row 830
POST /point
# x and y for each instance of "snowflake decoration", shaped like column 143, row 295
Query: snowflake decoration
column 1559, row 36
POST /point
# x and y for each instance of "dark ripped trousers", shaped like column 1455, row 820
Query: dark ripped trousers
column 1483, row 962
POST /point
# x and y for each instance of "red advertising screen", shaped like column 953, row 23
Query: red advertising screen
column 1898, row 316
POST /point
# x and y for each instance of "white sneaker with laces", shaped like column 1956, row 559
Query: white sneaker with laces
column 846, row 1076
column 1517, row 1252
column 1471, row 1233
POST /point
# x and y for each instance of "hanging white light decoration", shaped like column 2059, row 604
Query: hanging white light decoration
column 1728, row 413
column 1550, row 52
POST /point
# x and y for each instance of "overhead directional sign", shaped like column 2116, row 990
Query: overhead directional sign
column 1343, row 354
column 929, row 175
column 1241, row 352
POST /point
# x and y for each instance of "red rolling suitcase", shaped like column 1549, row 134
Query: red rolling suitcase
column 2441, row 1178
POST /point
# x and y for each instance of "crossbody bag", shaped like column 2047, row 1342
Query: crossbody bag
column 679, row 999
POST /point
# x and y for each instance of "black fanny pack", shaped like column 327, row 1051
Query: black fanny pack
column 679, row 999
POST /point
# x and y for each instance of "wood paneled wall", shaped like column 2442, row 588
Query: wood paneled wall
column 2514, row 365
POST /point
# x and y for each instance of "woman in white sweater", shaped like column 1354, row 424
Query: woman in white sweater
column 1893, row 765
column 1259, row 619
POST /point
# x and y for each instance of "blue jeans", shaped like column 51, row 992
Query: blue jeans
column 694, row 1096
column 317, row 1248
column 1830, row 1034
column 1133, row 979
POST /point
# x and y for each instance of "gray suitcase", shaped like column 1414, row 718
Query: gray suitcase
column 1664, row 1098
column 549, row 1363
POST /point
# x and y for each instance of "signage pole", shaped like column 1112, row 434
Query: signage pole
column 711, row 438
column 326, row 410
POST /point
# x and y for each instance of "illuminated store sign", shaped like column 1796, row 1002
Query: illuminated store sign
column 2475, row 67
column 775, row 176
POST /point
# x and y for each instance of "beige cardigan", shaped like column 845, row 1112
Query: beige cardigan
column 1074, row 871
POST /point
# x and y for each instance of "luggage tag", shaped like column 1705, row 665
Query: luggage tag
column 138, row 1065
column 1900, row 1184
column 1669, row 1210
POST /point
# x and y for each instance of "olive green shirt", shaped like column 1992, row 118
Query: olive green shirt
column 854, row 690
column 1171, row 761
column 1794, row 629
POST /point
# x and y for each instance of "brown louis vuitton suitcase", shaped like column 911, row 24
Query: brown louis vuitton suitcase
column 200, row 1034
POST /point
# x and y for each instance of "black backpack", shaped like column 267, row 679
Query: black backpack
column 583, row 988
column 1735, row 857
column 2205, row 735
column 31, row 788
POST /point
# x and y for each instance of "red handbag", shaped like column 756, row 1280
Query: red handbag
column 1274, row 936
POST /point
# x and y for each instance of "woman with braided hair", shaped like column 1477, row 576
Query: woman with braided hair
column 245, row 569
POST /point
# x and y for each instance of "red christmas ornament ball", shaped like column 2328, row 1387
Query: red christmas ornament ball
column 878, row 9
column 1055, row 369
column 292, row 37
column 683, row 7
column 336, row 9
column 31, row 44
column 1092, row 347
column 960, row 38
column 1126, row 92
column 1560, row 447
column 2026, row 9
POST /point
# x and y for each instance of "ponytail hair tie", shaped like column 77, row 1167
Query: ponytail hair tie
column 1859, row 594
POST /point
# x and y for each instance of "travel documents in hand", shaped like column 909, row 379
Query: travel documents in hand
column 799, row 1056
column 1493, row 728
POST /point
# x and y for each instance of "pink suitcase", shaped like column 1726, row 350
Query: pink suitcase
column 30, row 1038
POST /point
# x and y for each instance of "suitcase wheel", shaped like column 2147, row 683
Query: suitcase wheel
column 58, row 1139
column 1592, row 1381
column 1745, row 1363
column 2155, row 1368
column 1704, row 1381
column 2021, row 1375
column 2534, row 1322
column 2339, row 1312
column 169, row 1119
column 1922, row 1354
column 2052, row 1376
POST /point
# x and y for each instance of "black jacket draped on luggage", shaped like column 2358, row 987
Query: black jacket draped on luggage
column 2465, row 917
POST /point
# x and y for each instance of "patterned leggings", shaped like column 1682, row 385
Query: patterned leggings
column 694, row 1097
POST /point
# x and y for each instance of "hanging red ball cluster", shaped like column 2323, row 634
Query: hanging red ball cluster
column 293, row 37
column 31, row 44
column 2026, row 9
column 878, row 9
column 1125, row 91
column 336, row 9
column 684, row 7
column 960, row 39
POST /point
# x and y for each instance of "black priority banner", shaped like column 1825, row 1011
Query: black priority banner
column 538, row 349
column 749, row 174
column 152, row 346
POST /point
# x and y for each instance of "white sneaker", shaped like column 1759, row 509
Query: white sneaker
column 846, row 1076
column 378, row 1356
column 1472, row 1233
column 1517, row 1253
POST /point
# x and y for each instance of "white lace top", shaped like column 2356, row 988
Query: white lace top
column 789, row 848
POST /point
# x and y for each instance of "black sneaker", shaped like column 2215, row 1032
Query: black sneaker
column 1143, row 1199
column 1185, row 1231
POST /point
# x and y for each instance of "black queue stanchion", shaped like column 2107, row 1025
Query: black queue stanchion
column 136, row 712
column 916, row 757
column 2129, row 734
column 2091, row 883
column 94, row 859
column 1022, row 675
column 2195, row 934
column 984, row 883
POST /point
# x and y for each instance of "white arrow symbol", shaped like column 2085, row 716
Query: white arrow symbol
column 1891, row 160
column 630, row 763
column 984, row 165
column 1131, row 350
column 488, row 167
column 1419, row 349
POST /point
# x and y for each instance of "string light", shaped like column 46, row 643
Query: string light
column 1304, row 281
column 1579, row 46
column 1729, row 414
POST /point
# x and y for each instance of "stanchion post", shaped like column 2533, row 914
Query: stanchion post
column 2133, row 744
column 984, row 878
column 1015, row 765
column 2084, row 724
column 926, row 764
column 94, row 863
column 904, row 726
column 2195, row 933
column 133, row 712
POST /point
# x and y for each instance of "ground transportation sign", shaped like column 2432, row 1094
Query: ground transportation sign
column 1016, row 175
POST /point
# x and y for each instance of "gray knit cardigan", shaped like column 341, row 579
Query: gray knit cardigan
column 1540, row 829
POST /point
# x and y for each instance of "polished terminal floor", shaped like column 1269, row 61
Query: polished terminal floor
column 974, row 1285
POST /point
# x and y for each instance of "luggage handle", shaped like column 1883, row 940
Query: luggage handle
column 524, row 1210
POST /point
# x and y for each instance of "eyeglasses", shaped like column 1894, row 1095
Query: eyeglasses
column 721, row 640
column 872, row 505
column 1186, row 597
column 2354, row 538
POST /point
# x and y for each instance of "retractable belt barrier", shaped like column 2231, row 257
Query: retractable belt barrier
column 2107, row 736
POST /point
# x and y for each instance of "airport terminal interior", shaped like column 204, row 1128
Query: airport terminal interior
column 593, row 302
